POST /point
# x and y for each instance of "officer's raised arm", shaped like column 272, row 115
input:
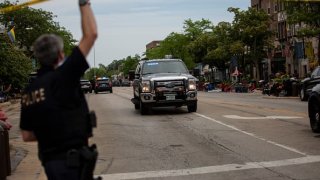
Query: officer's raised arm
column 89, row 27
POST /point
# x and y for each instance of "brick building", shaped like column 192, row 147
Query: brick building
column 153, row 44
column 290, row 54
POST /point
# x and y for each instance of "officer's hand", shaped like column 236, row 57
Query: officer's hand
column 83, row 2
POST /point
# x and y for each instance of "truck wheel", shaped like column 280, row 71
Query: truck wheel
column 143, row 108
column 192, row 107
column 314, row 115
column 136, row 106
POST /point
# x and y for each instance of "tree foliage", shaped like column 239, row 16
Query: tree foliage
column 202, row 42
column 27, row 31
column 93, row 73
column 304, row 12
column 219, row 50
column 130, row 64
column 199, row 42
column 193, row 29
column 252, row 28
column 15, row 66
column 180, row 46
column 15, row 60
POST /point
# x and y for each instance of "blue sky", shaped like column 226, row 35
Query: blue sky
column 126, row 26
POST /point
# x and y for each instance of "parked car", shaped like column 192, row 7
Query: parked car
column 314, row 109
column 125, row 82
column 115, row 83
column 102, row 85
column 308, row 83
column 86, row 86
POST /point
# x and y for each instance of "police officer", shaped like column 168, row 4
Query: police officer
column 54, row 111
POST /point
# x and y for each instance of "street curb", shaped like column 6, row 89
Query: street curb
column 4, row 104
column 16, row 156
column 258, row 93
column 275, row 97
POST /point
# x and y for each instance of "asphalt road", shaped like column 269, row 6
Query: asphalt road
column 231, row 136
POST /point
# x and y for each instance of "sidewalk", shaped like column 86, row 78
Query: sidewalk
column 22, row 154
column 255, row 92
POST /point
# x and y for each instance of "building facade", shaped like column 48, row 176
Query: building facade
column 290, row 54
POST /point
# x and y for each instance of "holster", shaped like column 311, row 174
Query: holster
column 85, row 158
column 89, row 157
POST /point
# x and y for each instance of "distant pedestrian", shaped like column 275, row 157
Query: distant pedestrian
column 54, row 111
column 120, row 82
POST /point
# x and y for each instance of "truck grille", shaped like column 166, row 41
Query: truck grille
column 163, row 89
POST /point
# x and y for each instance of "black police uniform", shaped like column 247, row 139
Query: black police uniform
column 55, row 109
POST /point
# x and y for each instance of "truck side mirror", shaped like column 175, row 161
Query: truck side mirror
column 131, row 75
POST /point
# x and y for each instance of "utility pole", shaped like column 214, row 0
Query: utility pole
column 94, row 62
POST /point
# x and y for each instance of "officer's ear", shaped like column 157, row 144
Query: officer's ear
column 60, row 57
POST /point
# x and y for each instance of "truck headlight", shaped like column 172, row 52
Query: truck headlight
column 192, row 85
column 146, row 86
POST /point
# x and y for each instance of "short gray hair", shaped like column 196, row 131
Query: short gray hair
column 46, row 49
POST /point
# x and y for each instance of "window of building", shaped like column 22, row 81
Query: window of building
column 281, row 3
column 282, row 30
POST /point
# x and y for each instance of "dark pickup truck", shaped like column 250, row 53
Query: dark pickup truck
column 163, row 82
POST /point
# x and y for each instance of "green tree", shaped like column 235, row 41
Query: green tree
column 193, row 29
column 27, row 31
column 130, row 64
column 251, row 26
column 197, row 33
column 174, row 44
column 180, row 46
column 15, row 66
column 200, row 46
column 96, row 72
column 222, row 45
column 114, row 65
column 154, row 53
column 15, row 58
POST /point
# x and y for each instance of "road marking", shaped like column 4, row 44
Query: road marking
column 253, row 135
column 212, row 169
column 266, row 117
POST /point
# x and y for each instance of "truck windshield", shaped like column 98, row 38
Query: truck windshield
column 164, row 67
